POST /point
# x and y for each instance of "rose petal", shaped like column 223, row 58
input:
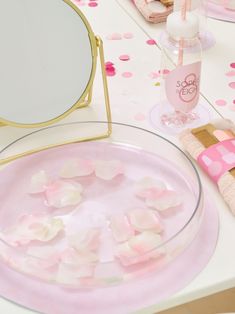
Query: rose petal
column 33, row 227
column 140, row 248
column 39, row 182
column 125, row 254
column 145, row 242
column 143, row 219
column 121, row 228
column 107, row 170
column 85, row 240
column 74, row 258
column 147, row 186
column 77, row 168
column 61, row 194
column 167, row 199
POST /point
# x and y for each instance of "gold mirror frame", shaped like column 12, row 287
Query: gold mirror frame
column 84, row 101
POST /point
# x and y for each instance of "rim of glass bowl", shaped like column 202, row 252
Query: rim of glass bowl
column 199, row 199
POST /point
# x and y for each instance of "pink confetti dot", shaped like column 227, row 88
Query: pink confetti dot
column 232, row 65
column 114, row 36
column 140, row 116
column 230, row 73
column 127, row 74
column 128, row 35
column 232, row 85
column 92, row 4
column 151, row 42
column 80, row 3
column 124, row 58
column 234, row 102
column 220, row 102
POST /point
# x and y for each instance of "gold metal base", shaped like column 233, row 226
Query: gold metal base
column 108, row 132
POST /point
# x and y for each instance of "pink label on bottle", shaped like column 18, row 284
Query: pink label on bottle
column 217, row 159
column 182, row 87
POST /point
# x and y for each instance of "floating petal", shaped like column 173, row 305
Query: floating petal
column 61, row 194
column 87, row 240
column 121, row 228
column 144, row 219
column 167, row 199
column 77, row 168
column 148, row 186
column 39, row 182
column 108, row 170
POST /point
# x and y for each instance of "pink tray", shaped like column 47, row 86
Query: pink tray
column 218, row 12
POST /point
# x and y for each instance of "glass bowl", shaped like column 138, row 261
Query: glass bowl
column 132, row 205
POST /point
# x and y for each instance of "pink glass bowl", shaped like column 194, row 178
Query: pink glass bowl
column 143, row 153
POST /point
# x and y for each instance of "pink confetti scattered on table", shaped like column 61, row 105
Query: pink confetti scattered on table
column 110, row 69
column 220, row 102
column 80, row 3
column 128, row 35
column 92, row 4
column 127, row 74
column 140, row 117
column 154, row 75
column 232, row 85
column 114, row 36
column 230, row 73
column 232, row 65
column 124, row 58
column 151, row 42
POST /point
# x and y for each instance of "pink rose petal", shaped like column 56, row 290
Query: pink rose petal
column 108, row 170
column 74, row 258
column 167, row 199
column 124, row 58
column 127, row 74
column 144, row 220
column 145, row 242
column 39, row 182
column 140, row 248
column 33, row 228
column 85, row 240
column 77, row 168
column 147, row 186
column 61, row 194
column 121, row 228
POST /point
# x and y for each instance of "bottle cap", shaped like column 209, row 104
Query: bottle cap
column 178, row 28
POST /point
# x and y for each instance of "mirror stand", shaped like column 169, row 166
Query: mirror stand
column 85, row 103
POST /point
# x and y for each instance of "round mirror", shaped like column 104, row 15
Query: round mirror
column 47, row 60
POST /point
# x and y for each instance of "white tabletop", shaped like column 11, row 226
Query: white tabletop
column 132, row 99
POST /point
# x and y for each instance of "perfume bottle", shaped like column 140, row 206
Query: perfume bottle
column 180, row 69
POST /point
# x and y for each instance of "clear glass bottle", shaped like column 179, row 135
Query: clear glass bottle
column 199, row 8
column 180, row 70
